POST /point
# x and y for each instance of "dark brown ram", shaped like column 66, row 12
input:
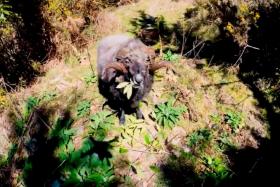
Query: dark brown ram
column 121, row 58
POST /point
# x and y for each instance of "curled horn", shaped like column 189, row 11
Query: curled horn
column 156, row 66
column 117, row 66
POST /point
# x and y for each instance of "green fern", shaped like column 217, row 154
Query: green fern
column 167, row 115
column 199, row 139
column 90, row 79
column 101, row 124
column 29, row 105
column 83, row 108
column 234, row 119
column 169, row 56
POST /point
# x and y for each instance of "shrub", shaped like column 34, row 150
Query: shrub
column 212, row 19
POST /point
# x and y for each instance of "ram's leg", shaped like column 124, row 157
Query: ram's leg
column 104, row 104
column 121, row 116
column 139, row 114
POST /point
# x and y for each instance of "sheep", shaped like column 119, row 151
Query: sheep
column 122, row 58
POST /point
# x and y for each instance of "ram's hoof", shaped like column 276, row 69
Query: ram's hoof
column 139, row 114
column 122, row 120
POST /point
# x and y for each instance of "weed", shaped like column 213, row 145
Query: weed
column 200, row 138
column 30, row 104
column 90, row 79
column 216, row 119
column 89, row 170
column 225, row 141
column 167, row 114
column 169, row 56
column 234, row 119
column 133, row 126
column 12, row 152
column 216, row 169
column 101, row 124
column 71, row 59
column 48, row 96
column 81, row 167
column 19, row 126
column 3, row 99
column 123, row 150
column 148, row 139
column 83, row 108
column 155, row 168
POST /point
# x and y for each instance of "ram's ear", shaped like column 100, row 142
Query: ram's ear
column 108, row 74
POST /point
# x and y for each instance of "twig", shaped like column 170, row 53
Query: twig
column 185, row 40
column 58, row 166
column 194, row 47
column 89, row 58
column 49, row 127
column 148, row 152
column 256, row 48
column 241, row 55
column 209, row 64
column 150, row 178
column 199, row 50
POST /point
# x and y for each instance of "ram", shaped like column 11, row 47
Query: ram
column 121, row 58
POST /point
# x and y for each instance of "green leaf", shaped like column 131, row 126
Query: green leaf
column 147, row 139
column 123, row 150
column 155, row 168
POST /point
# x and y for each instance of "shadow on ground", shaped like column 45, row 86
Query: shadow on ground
column 46, row 155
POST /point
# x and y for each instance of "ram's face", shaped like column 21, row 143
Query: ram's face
column 138, row 72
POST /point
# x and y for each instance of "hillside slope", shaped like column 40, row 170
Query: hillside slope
column 217, row 114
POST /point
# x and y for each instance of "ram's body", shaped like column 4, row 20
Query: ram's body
column 133, row 60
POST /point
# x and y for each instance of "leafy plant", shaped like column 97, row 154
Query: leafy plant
column 148, row 139
column 133, row 126
column 83, row 108
column 89, row 170
column 127, row 88
column 152, row 143
column 19, row 126
column 200, row 138
column 216, row 169
column 5, row 11
column 155, row 168
column 123, row 150
column 12, row 151
column 234, row 119
column 81, row 167
column 169, row 56
column 168, row 115
column 48, row 96
column 84, row 168
column 216, row 119
column 90, row 79
column 29, row 105
column 225, row 141
column 101, row 124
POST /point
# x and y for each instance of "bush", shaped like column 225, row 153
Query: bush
column 214, row 19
